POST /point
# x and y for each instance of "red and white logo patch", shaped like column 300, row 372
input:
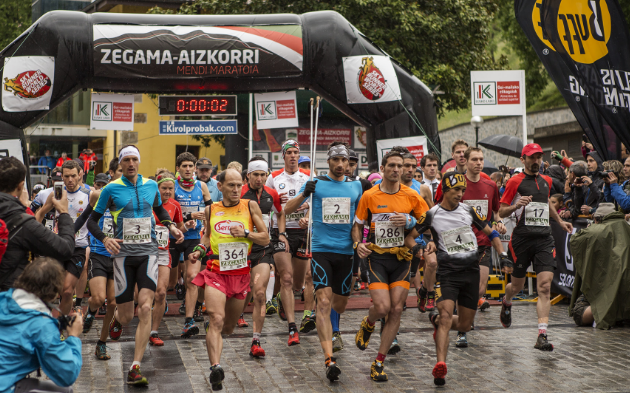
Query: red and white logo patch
column 223, row 227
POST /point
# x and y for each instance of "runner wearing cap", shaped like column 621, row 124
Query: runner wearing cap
column 527, row 195
column 388, row 209
column 132, row 201
column 304, row 163
column 204, row 172
column 290, row 256
column 100, row 181
column 334, row 199
column 458, row 268
column 227, row 241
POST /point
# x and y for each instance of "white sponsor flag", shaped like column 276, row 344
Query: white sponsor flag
column 111, row 112
column 27, row 83
column 276, row 110
column 370, row 79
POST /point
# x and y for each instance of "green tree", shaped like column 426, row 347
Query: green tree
column 15, row 17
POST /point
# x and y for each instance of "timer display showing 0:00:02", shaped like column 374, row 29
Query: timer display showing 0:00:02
column 213, row 106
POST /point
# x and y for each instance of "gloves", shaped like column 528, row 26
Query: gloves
column 309, row 188
column 506, row 262
column 556, row 155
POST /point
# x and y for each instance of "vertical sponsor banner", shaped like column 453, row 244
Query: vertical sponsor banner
column 27, row 83
column 564, row 275
column 276, row 110
column 498, row 93
column 584, row 45
column 417, row 146
column 111, row 112
column 370, row 79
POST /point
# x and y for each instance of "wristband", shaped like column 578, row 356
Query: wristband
column 202, row 250
column 493, row 234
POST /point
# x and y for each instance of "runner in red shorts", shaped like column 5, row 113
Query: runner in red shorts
column 230, row 230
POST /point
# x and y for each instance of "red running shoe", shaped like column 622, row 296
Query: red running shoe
column 241, row 323
column 439, row 372
column 294, row 338
column 256, row 351
column 155, row 340
column 115, row 329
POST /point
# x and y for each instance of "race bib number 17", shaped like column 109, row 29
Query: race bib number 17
column 537, row 214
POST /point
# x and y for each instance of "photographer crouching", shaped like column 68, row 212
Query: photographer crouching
column 29, row 334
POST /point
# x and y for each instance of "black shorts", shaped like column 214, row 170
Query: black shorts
column 461, row 287
column 485, row 257
column 541, row 251
column 129, row 271
column 356, row 262
column 186, row 247
column 262, row 256
column 76, row 263
column 415, row 266
column 100, row 266
column 387, row 272
column 297, row 243
column 332, row 270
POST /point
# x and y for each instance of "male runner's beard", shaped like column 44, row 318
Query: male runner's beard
column 535, row 168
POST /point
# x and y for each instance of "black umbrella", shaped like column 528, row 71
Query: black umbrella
column 489, row 168
column 504, row 144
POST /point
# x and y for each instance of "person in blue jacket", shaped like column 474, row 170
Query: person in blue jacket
column 46, row 160
column 619, row 193
column 29, row 334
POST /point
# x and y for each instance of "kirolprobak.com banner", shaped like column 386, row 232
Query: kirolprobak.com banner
column 122, row 51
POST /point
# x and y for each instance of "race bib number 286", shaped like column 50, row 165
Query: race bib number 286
column 388, row 235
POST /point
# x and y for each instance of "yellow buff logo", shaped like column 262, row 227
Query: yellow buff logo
column 583, row 28
column 456, row 180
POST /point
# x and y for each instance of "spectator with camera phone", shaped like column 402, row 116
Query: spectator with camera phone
column 583, row 186
column 618, row 193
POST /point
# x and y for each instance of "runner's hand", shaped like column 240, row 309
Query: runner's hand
column 193, row 257
column 309, row 188
column 302, row 207
column 303, row 223
column 567, row 226
column 362, row 250
column 524, row 201
column 177, row 234
column 585, row 209
column 286, row 243
column 507, row 266
column 430, row 248
column 198, row 215
column 500, row 228
column 190, row 224
column 112, row 245
column 283, row 197
column 77, row 326
column 398, row 219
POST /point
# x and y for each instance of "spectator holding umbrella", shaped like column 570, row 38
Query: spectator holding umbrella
column 46, row 161
column 64, row 157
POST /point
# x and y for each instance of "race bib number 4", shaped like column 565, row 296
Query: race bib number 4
column 336, row 210
column 108, row 227
column 537, row 214
column 232, row 256
column 137, row 230
column 161, row 234
column 459, row 240
column 388, row 235
column 480, row 206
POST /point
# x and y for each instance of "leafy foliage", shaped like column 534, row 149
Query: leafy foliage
column 15, row 17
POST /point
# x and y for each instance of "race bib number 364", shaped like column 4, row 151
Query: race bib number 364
column 388, row 235
column 336, row 210
column 137, row 230
column 537, row 214
column 232, row 256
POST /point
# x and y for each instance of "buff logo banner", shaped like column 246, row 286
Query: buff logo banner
column 585, row 47
column 123, row 51
column 27, row 83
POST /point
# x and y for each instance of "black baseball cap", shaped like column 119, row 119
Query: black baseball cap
column 101, row 178
column 353, row 155
column 204, row 163
column 56, row 175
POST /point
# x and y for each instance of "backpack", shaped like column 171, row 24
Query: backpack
column 6, row 228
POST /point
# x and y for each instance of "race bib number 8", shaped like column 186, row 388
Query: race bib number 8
column 388, row 235
column 480, row 206
column 137, row 230
column 232, row 256
column 336, row 210
column 161, row 234
column 459, row 240
column 108, row 227
column 537, row 214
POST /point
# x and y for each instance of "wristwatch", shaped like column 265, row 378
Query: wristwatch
column 283, row 234
column 355, row 245
column 246, row 233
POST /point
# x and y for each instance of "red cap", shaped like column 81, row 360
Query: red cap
column 531, row 149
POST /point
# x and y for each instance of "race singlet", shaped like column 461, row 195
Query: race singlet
column 336, row 210
column 537, row 214
column 161, row 235
column 480, row 206
column 137, row 230
column 233, row 255
column 387, row 235
column 459, row 240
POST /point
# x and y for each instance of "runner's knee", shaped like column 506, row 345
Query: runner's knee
column 216, row 321
column 98, row 299
column 160, row 295
column 260, row 295
column 381, row 309
column 544, row 288
column 144, row 309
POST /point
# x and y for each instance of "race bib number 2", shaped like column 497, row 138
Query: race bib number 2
column 388, row 235
column 137, row 230
column 537, row 214
column 108, row 227
column 336, row 210
column 232, row 255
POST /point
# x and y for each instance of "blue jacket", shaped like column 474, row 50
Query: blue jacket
column 615, row 193
column 29, row 339
column 46, row 161
column 215, row 194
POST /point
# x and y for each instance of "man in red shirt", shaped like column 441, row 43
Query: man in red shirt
column 87, row 156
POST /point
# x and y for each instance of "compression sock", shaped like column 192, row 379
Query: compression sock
column 292, row 327
column 380, row 357
column 506, row 302
column 334, row 320
column 542, row 328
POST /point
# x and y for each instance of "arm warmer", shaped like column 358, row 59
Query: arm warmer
column 93, row 227
column 208, row 202
column 162, row 215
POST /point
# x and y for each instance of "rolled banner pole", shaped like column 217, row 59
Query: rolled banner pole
column 310, row 210
column 311, row 140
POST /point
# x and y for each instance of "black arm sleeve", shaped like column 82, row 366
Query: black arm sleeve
column 424, row 223
column 93, row 227
column 162, row 214
column 78, row 224
column 208, row 202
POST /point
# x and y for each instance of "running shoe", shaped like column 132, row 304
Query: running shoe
column 394, row 348
column 337, row 342
column 506, row 315
column 256, row 350
column 271, row 309
column 274, row 301
column 332, row 369
column 197, row 315
column 308, row 323
column 483, row 304
column 115, row 329
column 422, row 299
column 294, row 338
column 543, row 344
column 190, row 329
column 281, row 312
column 182, row 308
column 362, row 338
column 362, row 285
column 206, row 325
column 134, row 377
column 439, row 372
column 433, row 319
column 462, row 341
column 155, row 340
column 165, row 306
column 377, row 371
column 180, row 291
column 357, row 286
column 103, row 309
column 88, row 320
column 203, row 308
column 430, row 306
column 242, row 323
column 216, row 377
column 101, row 352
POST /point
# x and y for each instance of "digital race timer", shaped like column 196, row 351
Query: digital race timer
column 197, row 105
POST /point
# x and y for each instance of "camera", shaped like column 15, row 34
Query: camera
column 58, row 190
column 585, row 138
column 65, row 321
column 604, row 173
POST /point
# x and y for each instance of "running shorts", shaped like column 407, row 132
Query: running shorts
column 386, row 272
column 356, row 263
column 485, row 257
column 164, row 258
column 185, row 247
column 263, row 256
column 415, row 265
column 75, row 264
column 100, row 266
column 332, row 270
column 461, row 287
column 129, row 271
column 232, row 285
column 297, row 243
column 541, row 251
